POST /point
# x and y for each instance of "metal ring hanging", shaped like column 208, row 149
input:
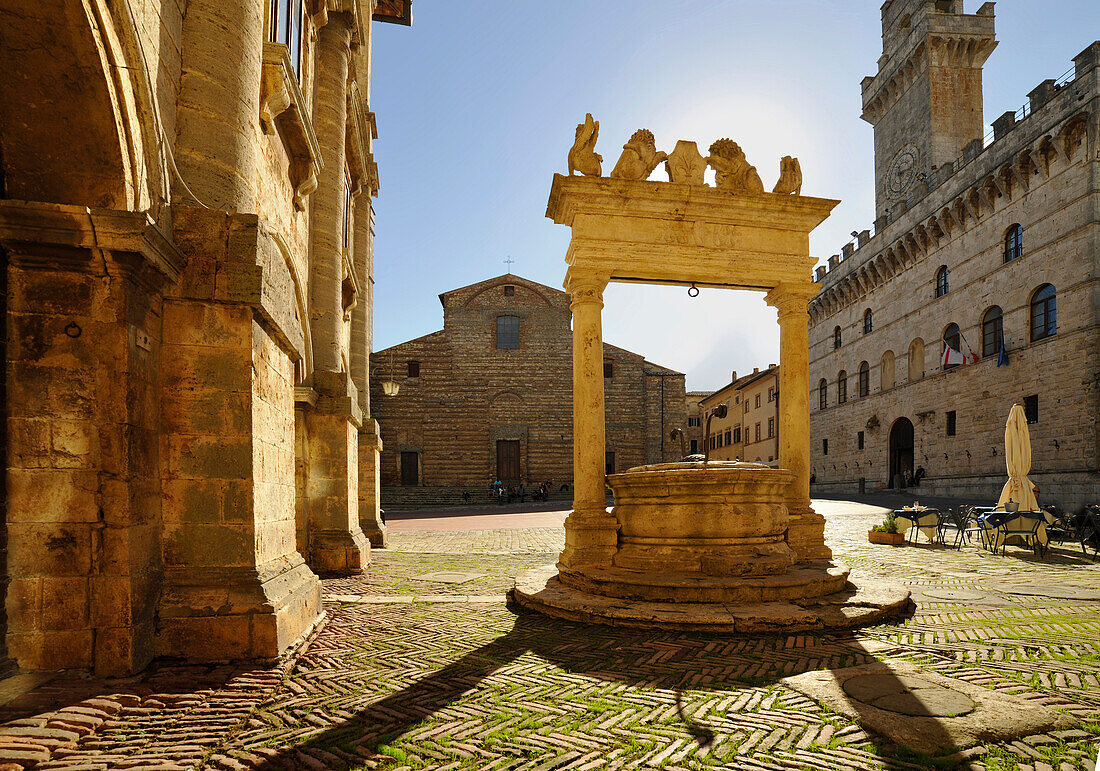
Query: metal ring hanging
column 693, row 291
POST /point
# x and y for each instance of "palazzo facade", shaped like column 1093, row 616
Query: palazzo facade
column 985, row 247
column 186, row 232
column 489, row 397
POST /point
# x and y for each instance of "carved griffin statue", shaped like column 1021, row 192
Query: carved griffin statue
column 790, row 177
column 583, row 156
column 732, row 172
column 639, row 158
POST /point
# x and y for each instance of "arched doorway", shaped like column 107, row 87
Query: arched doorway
column 901, row 450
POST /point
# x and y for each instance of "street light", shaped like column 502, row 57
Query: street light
column 390, row 387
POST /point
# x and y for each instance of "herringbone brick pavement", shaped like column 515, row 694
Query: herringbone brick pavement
column 409, row 673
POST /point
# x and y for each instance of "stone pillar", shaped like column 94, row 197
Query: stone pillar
column 218, row 145
column 235, row 585
column 326, row 310
column 591, row 534
column 806, row 534
column 362, row 329
column 370, row 500
column 337, row 543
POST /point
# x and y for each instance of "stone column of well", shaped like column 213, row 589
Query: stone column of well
column 806, row 534
column 591, row 534
column 337, row 543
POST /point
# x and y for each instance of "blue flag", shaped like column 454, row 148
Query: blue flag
column 1002, row 355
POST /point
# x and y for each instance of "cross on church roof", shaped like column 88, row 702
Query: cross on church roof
column 509, row 262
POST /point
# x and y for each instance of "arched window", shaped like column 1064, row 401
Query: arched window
column 842, row 387
column 836, row 338
column 822, row 394
column 886, row 371
column 992, row 331
column 951, row 339
column 868, row 321
column 916, row 359
column 864, row 379
column 941, row 281
column 1044, row 313
column 1014, row 242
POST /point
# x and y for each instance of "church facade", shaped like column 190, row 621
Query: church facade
column 978, row 288
column 489, row 397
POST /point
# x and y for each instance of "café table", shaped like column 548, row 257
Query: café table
column 922, row 518
column 1002, row 525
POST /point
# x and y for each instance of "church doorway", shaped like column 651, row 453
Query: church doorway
column 508, row 461
column 410, row 469
column 901, row 452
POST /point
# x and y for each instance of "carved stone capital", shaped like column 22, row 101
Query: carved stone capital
column 585, row 288
column 791, row 300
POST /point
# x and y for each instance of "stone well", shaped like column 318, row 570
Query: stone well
column 694, row 545
column 704, row 546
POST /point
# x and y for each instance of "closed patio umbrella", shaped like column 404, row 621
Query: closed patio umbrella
column 1018, row 460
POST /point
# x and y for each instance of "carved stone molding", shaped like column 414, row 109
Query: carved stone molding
column 283, row 108
column 361, row 130
column 63, row 237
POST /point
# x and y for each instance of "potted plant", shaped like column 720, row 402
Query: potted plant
column 887, row 532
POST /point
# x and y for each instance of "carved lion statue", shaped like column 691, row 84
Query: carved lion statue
column 790, row 177
column 639, row 158
column 732, row 172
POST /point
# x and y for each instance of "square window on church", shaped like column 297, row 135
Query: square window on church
column 509, row 291
column 414, row 369
column 694, row 422
column 507, row 332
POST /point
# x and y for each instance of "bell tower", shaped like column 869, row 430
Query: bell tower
column 926, row 100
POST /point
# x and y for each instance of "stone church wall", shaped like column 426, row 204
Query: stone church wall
column 470, row 394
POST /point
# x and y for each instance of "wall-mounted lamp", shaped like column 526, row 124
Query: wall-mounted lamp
column 390, row 387
column 968, row 453
column 1055, row 443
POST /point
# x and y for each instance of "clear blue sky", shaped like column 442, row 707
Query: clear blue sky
column 477, row 103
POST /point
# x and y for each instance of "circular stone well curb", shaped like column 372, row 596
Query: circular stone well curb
column 540, row 589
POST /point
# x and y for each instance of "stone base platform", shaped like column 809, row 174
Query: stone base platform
column 845, row 606
column 810, row 579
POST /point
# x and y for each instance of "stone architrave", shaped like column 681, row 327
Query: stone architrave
column 653, row 232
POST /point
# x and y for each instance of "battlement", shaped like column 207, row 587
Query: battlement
column 1052, row 102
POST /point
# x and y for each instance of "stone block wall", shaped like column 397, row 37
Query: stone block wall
column 469, row 394
column 1042, row 176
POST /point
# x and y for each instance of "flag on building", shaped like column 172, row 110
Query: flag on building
column 951, row 357
column 1002, row 355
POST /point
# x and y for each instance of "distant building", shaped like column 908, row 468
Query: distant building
column 749, row 430
column 490, row 396
column 984, row 250
column 694, row 427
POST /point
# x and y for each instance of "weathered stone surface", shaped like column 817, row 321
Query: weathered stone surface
column 946, row 199
column 925, row 710
column 467, row 395
column 159, row 323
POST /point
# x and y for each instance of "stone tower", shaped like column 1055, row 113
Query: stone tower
column 926, row 100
